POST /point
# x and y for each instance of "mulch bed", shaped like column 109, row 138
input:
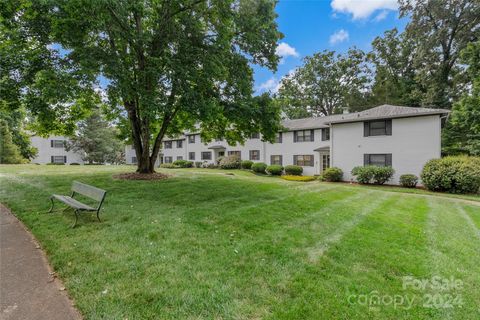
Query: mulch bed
column 141, row 176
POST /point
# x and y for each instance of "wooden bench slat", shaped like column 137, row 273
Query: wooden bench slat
column 88, row 191
column 73, row 203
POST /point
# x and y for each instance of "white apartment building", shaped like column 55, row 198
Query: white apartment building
column 402, row 137
column 52, row 150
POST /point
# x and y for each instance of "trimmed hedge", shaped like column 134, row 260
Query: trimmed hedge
column 372, row 174
column 298, row 178
column 275, row 170
column 293, row 170
column 333, row 174
column 259, row 167
column 247, row 164
column 183, row 163
column 408, row 180
column 230, row 162
column 74, row 164
column 460, row 174
column 198, row 164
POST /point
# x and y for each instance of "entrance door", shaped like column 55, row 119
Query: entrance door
column 324, row 161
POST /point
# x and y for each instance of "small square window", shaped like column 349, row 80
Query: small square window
column 179, row 158
column 255, row 136
column 168, row 144
column 276, row 159
column 278, row 137
column 254, row 154
column 191, row 138
column 191, row 156
column 179, row 144
column 57, row 143
column 168, row 159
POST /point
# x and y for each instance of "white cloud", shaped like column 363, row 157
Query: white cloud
column 381, row 16
column 271, row 85
column 285, row 50
column 361, row 9
column 339, row 36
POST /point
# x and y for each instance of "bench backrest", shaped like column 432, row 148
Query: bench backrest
column 88, row 191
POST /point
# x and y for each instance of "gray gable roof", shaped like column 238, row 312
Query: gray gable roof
column 381, row 112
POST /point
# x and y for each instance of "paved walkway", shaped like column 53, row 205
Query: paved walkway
column 27, row 288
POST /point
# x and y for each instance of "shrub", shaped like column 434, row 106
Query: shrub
column 247, row 164
column 168, row 166
column 198, row 164
column 373, row 174
column 55, row 164
column 293, row 170
column 74, row 164
column 183, row 163
column 210, row 165
column 259, row 167
column 332, row 174
column 408, row 180
column 460, row 174
column 230, row 162
column 275, row 170
column 219, row 159
column 298, row 178
column 382, row 174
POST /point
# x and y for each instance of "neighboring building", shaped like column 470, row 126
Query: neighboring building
column 403, row 137
column 52, row 150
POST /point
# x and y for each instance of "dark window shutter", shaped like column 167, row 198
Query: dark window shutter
column 388, row 159
column 366, row 159
column 51, row 159
column 51, row 143
column 295, row 160
column 64, row 159
column 312, row 135
column 294, row 136
column 281, row 160
column 324, row 134
column 388, row 126
column 280, row 137
column 366, row 129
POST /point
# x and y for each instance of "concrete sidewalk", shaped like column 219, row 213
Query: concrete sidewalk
column 28, row 289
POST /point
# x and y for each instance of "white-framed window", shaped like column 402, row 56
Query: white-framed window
column 207, row 155
column 57, row 143
column 191, row 156
column 179, row 158
column 235, row 153
column 255, row 136
column 179, row 144
column 168, row 159
column 59, row 159
column 134, row 160
column 378, row 159
column 377, row 128
column 303, row 136
column 304, row 160
column 276, row 159
column 254, row 154
column 279, row 137
column 168, row 144
column 191, row 138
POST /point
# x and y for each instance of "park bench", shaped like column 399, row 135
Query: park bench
column 85, row 190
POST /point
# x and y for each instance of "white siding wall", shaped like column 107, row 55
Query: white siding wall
column 46, row 151
column 413, row 142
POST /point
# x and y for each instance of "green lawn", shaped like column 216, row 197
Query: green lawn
column 206, row 245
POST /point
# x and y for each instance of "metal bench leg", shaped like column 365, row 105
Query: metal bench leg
column 51, row 208
column 98, row 217
column 76, row 219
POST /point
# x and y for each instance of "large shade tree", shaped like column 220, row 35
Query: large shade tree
column 168, row 66
column 441, row 29
column 325, row 84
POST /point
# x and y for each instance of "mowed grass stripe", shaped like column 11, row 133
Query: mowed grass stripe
column 454, row 248
column 373, row 256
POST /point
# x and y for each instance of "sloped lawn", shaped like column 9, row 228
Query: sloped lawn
column 205, row 245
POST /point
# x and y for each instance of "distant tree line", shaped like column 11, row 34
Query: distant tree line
column 434, row 63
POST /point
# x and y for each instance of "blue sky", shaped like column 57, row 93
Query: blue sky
column 311, row 26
